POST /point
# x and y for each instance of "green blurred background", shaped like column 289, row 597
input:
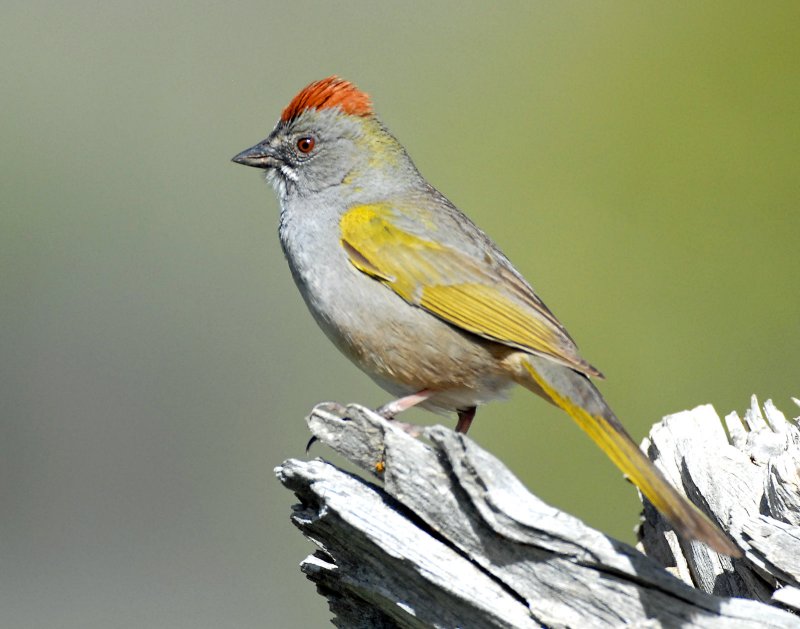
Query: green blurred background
column 637, row 161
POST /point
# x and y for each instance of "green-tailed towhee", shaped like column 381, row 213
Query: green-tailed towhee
column 416, row 295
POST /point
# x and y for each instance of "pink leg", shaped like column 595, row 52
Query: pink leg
column 403, row 404
column 465, row 418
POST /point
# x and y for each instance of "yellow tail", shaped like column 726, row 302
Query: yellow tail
column 563, row 386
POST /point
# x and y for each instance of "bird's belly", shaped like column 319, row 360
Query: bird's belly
column 403, row 348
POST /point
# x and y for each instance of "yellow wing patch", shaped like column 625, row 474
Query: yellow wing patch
column 378, row 248
column 484, row 310
column 452, row 285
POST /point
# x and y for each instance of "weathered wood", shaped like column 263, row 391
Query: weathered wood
column 450, row 538
column 750, row 487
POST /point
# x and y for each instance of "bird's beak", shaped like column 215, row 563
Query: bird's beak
column 262, row 155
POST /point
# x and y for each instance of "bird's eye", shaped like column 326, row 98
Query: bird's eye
column 305, row 145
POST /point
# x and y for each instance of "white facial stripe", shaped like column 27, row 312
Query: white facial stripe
column 288, row 173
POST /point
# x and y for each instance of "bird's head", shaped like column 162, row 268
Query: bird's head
column 328, row 135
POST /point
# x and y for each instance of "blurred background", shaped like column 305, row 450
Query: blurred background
column 637, row 161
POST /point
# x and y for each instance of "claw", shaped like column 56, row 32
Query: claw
column 310, row 443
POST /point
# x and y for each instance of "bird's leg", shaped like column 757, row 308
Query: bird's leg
column 389, row 410
column 465, row 417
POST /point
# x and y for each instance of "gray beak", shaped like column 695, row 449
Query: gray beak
column 262, row 155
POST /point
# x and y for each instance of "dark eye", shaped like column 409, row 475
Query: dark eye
column 305, row 145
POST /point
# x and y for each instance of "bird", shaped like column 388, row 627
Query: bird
column 417, row 296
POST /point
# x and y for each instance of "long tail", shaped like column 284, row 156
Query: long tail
column 574, row 393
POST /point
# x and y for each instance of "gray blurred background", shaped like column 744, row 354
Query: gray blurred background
column 638, row 163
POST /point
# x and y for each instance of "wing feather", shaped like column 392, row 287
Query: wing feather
column 483, row 296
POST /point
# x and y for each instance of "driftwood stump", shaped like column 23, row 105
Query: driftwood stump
column 446, row 536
